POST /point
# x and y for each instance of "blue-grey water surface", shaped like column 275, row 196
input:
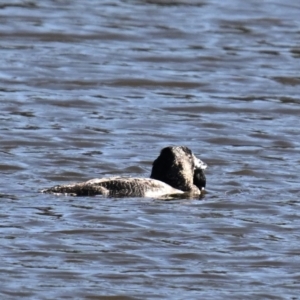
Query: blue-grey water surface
column 96, row 88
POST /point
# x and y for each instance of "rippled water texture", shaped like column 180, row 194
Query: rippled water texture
column 96, row 88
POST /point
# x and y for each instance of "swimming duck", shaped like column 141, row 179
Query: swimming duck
column 175, row 171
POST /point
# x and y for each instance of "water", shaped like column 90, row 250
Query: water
column 97, row 88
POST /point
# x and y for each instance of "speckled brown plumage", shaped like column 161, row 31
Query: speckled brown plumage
column 175, row 171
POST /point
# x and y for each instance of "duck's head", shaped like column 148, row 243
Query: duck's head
column 180, row 168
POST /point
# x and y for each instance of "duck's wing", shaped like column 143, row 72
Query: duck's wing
column 77, row 189
column 116, row 187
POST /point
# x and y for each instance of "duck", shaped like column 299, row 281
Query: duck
column 175, row 171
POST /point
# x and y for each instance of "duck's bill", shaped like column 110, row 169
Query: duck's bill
column 199, row 179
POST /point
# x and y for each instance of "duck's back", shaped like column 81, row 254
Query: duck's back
column 116, row 187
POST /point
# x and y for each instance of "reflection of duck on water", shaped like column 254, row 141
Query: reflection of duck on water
column 175, row 171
